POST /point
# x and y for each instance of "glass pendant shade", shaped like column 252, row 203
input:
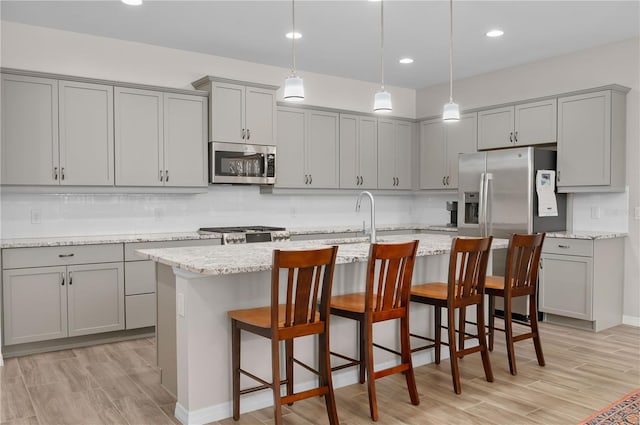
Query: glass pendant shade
column 293, row 89
column 451, row 112
column 132, row 2
column 382, row 101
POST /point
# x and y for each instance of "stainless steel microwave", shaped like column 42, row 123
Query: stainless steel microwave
column 242, row 164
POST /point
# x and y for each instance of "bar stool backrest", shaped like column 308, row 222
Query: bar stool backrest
column 308, row 290
column 523, row 259
column 468, row 270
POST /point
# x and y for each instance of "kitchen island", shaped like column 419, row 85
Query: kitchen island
column 198, row 285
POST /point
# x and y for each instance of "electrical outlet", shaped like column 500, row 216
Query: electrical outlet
column 636, row 213
column 36, row 216
column 595, row 212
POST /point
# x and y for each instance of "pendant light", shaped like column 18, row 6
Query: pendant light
column 451, row 111
column 293, row 86
column 382, row 99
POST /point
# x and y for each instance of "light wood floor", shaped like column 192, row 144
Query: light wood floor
column 117, row 384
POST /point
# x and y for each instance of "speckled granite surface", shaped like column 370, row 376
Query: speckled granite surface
column 181, row 236
column 231, row 259
column 312, row 230
column 586, row 235
column 94, row 240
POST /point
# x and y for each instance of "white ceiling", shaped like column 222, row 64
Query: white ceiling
column 342, row 37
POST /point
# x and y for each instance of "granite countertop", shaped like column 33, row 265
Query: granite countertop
column 585, row 234
column 106, row 239
column 183, row 236
column 313, row 230
column 247, row 258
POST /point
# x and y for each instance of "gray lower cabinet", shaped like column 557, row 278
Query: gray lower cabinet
column 56, row 292
column 44, row 303
column 581, row 282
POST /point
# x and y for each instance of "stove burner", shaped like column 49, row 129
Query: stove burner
column 248, row 234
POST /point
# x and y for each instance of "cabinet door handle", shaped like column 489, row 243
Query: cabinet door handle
column 564, row 246
column 444, row 179
column 361, row 180
column 357, row 181
column 166, row 175
column 511, row 137
column 55, row 173
column 310, row 179
column 161, row 175
column 62, row 173
column 515, row 137
column 66, row 255
column 248, row 134
column 70, row 279
column 541, row 261
column 306, row 179
column 243, row 134
column 558, row 177
column 62, row 283
column 447, row 180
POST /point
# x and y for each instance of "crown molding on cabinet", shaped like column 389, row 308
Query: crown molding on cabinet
column 28, row 73
column 208, row 79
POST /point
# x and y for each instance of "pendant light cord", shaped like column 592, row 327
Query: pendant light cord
column 382, row 44
column 451, row 51
column 293, row 37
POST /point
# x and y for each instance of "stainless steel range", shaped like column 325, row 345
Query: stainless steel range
column 248, row 234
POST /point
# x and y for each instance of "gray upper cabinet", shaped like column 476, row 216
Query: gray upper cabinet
column 523, row 124
column 139, row 136
column 440, row 145
column 592, row 141
column 29, row 130
column 358, row 152
column 56, row 132
column 185, row 140
column 86, row 134
column 308, row 146
column 394, row 154
column 160, row 139
column 241, row 112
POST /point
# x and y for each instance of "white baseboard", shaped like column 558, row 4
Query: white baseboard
column 631, row 320
column 260, row 400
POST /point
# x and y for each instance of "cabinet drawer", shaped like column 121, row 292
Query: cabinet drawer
column 16, row 258
column 580, row 247
column 139, row 277
column 130, row 248
column 140, row 310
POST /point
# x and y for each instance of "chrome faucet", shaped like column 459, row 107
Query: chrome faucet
column 373, row 212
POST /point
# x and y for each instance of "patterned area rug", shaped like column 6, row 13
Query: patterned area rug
column 622, row 412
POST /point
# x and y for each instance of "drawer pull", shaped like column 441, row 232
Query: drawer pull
column 564, row 246
column 65, row 255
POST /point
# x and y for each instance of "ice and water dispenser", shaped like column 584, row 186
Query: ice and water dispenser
column 471, row 207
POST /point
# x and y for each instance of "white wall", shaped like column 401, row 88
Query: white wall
column 48, row 50
column 615, row 63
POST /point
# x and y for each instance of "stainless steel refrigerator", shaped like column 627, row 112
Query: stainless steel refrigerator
column 497, row 196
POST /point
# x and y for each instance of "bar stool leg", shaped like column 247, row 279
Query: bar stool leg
column 371, row 380
column 492, row 320
column 363, row 344
column 275, row 374
column 508, row 331
column 533, row 313
column 289, row 365
column 235, row 366
column 453, row 353
column 438, row 331
column 325, row 377
column 486, row 362
column 462, row 322
column 405, row 349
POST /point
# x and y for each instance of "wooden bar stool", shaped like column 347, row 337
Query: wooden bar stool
column 465, row 287
column 386, row 297
column 306, row 312
column 521, row 271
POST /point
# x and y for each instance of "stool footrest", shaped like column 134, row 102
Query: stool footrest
column 304, row 365
column 386, row 372
column 382, row 347
column 290, row 399
column 351, row 361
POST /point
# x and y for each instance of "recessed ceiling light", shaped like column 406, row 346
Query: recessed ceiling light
column 494, row 33
column 405, row 61
column 290, row 35
column 132, row 2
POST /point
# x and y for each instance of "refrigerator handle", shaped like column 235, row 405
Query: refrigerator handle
column 481, row 207
column 487, row 219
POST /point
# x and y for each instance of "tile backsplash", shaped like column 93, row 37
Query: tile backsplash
column 45, row 215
